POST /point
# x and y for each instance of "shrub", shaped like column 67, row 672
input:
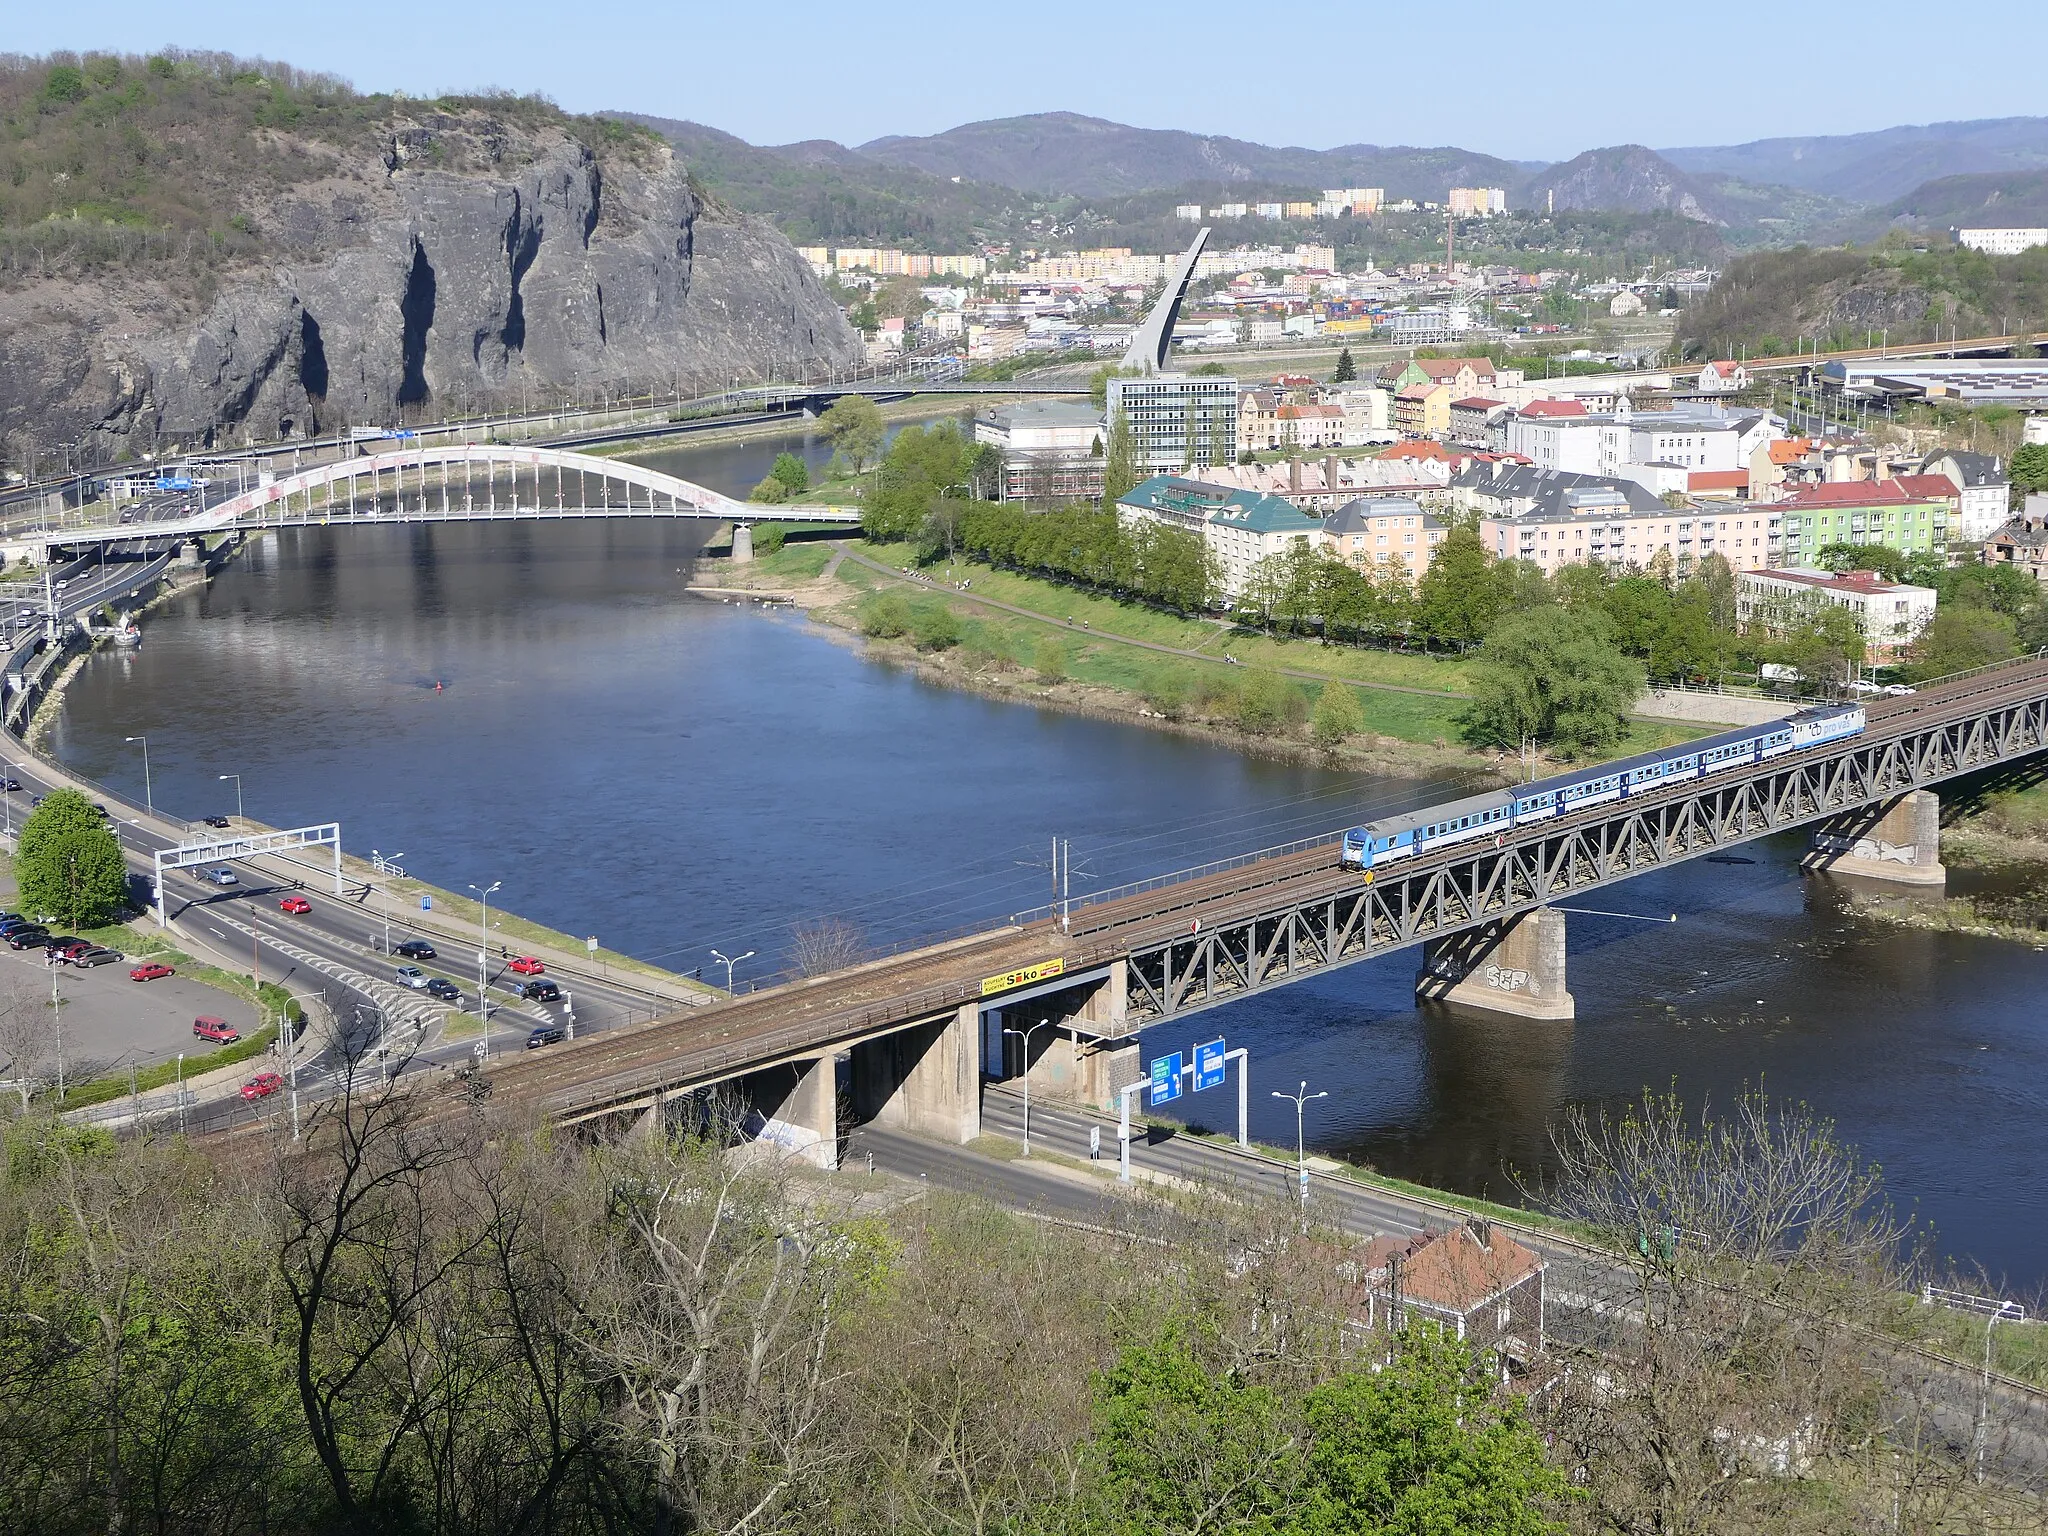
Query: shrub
column 769, row 537
column 1267, row 704
column 791, row 471
column 1049, row 659
column 885, row 616
column 935, row 629
column 1337, row 715
column 770, row 491
column 1166, row 691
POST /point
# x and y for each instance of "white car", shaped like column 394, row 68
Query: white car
column 222, row 876
column 412, row 976
column 1899, row 691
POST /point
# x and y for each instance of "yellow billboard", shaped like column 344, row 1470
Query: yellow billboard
column 1025, row 975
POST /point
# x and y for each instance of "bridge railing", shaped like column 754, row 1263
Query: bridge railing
column 1177, row 877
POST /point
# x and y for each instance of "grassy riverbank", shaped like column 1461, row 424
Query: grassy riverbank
column 1032, row 640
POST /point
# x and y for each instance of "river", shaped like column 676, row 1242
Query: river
column 678, row 775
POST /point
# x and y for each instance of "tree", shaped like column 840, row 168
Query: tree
column 792, row 472
column 923, row 465
column 1553, row 676
column 2030, row 467
column 1337, row 717
column 769, row 491
column 1462, row 593
column 68, row 865
column 1347, row 370
column 1881, row 558
column 1119, row 462
column 1957, row 639
column 853, row 424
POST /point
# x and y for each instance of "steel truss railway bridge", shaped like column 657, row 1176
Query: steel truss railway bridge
column 915, row 1033
column 447, row 483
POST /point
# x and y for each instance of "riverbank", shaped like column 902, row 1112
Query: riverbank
column 1022, row 639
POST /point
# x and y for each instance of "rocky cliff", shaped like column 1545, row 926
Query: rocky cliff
column 435, row 262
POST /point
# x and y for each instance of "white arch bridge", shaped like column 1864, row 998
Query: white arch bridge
column 452, row 483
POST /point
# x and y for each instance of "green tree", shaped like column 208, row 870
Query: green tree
column 1337, row 716
column 934, row 628
column 769, row 490
column 1824, row 642
column 792, row 472
column 1049, row 659
column 1882, row 558
column 1957, row 639
column 68, row 865
column 1347, row 370
column 1554, row 676
column 1462, row 593
column 2029, row 468
column 1119, row 462
column 923, row 465
column 853, row 424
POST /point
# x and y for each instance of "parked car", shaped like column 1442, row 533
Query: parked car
column 547, row 1034
column 445, row 990
column 526, row 965
column 220, row 1031
column 154, row 971
column 411, row 976
column 63, row 946
column 223, row 876
column 28, row 936
column 14, row 920
column 215, row 821
column 298, row 906
column 261, row 1086
column 86, row 959
column 541, row 992
column 415, row 949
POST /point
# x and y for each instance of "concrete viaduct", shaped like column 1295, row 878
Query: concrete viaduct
column 914, row 1034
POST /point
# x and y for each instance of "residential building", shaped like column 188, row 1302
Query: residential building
column 1723, row 377
column 1052, row 449
column 1479, row 422
column 1473, row 1281
column 1240, row 528
column 1983, row 491
column 1600, row 523
column 2023, row 542
column 1423, row 410
column 1861, row 512
column 1717, row 484
column 1258, row 421
column 1479, row 202
column 1465, row 375
column 1178, row 420
column 1625, row 303
column 1358, row 200
column 1267, row 210
column 2002, row 242
column 1311, row 426
column 1554, row 435
column 1891, row 614
column 1300, row 210
column 1192, row 212
column 1368, row 413
column 1371, row 532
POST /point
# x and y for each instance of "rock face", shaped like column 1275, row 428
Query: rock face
column 468, row 264
column 1629, row 178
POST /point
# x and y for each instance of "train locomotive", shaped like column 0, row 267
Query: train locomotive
column 1499, row 811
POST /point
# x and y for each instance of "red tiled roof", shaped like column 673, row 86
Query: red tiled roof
column 1554, row 408
column 1852, row 493
column 1929, row 487
column 1790, row 450
column 1717, row 480
column 1474, row 403
column 1418, row 449
column 1451, row 367
column 1451, row 1270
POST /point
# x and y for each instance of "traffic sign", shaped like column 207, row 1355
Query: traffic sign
column 426, row 903
column 1209, row 1066
column 1166, row 1072
column 591, row 943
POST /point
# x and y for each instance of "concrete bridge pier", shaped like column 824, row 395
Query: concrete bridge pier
column 1089, row 1053
column 742, row 544
column 798, row 1107
column 1897, row 840
column 1516, row 967
column 925, row 1079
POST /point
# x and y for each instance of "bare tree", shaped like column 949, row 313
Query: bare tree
column 24, row 1037
column 828, row 944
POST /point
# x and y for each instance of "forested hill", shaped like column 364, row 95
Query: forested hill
column 193, row 246
column 1769, row 300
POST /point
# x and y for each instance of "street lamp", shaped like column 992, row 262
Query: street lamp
column 1300, row 1098
column 238, row 793
column 1025, row 1036
column 729, row 964
column 148, row 794
column 483, row 1000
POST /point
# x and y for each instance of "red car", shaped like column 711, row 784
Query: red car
column 526, row 965
column 151, row 972
column 220, row 1031
column 298, row 906
column 262, row 1086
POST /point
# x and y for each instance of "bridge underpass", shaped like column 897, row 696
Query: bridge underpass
column 908, row 1040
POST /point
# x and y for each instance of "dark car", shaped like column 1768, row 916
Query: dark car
column 10, row 786
column 215, row 821
column 28, row 936
column 85, row 959
column 541, row 992
column 444, row 989
column 547, row 1034
column 14, row 920
column 62, row 946
column 415, row 949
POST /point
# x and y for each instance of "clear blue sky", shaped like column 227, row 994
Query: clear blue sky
column 1518, row 79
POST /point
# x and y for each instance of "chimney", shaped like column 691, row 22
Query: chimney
column 1330, row 472
column 1482, row 1232
column 1294, row 477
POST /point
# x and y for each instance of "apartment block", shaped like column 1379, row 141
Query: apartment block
column 1178, row 420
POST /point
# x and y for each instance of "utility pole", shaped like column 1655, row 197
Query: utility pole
column 1301, row 1098
column 1024, row 1035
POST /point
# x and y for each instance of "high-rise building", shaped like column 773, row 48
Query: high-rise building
column 1177, row 420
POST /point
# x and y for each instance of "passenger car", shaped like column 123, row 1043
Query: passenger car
column 220, row 1031
column 445, row 990
column 28, row 936
column 547, row 1034
column 541, row 992
column 415, row 949
column 154, row 971
column 526, row 965
column 411, row 976
column 223, row 876
column 262, row 1086
column 298, row 906
column 85, row 959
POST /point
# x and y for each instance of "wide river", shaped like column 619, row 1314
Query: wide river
column 677, row 775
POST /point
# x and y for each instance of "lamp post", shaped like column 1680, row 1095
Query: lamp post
column 729, row 964
column 238, row 793
column 483, row 1000
column 1300, row 1099
column 148, row 794
column 1025, row 1035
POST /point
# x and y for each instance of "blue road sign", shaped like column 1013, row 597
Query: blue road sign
column 1166, row 1079
column 1209, row 1065
column 426, row 903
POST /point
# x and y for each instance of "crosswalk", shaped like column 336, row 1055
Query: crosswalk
column 399, row 1005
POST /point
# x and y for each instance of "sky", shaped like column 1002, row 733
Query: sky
column 1522, row 81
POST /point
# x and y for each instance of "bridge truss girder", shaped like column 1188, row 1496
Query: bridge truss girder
column 1215, row 964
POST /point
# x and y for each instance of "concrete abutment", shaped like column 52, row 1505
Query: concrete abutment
column 1515, row 967
column 1088, row 1054
column 1898, row 840
column 925, row 1079
column 798, row 1106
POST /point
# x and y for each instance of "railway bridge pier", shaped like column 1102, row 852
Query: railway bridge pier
column 1898, row 839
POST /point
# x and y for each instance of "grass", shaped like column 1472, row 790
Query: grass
column 795, row 562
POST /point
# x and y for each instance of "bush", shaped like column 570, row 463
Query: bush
column 935, row 629
column 769, row 537
column 1049, row 659
column 1337, row 715
column 792, row 473
column 885, row 616
column 1166, row 692
column 1268, row 704
column 771, row 491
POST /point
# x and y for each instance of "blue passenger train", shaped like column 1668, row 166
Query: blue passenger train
column 1498, row 811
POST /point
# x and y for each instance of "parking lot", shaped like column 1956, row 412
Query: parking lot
column 109, row 1022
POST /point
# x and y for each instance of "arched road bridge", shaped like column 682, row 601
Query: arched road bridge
column 451, row 483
